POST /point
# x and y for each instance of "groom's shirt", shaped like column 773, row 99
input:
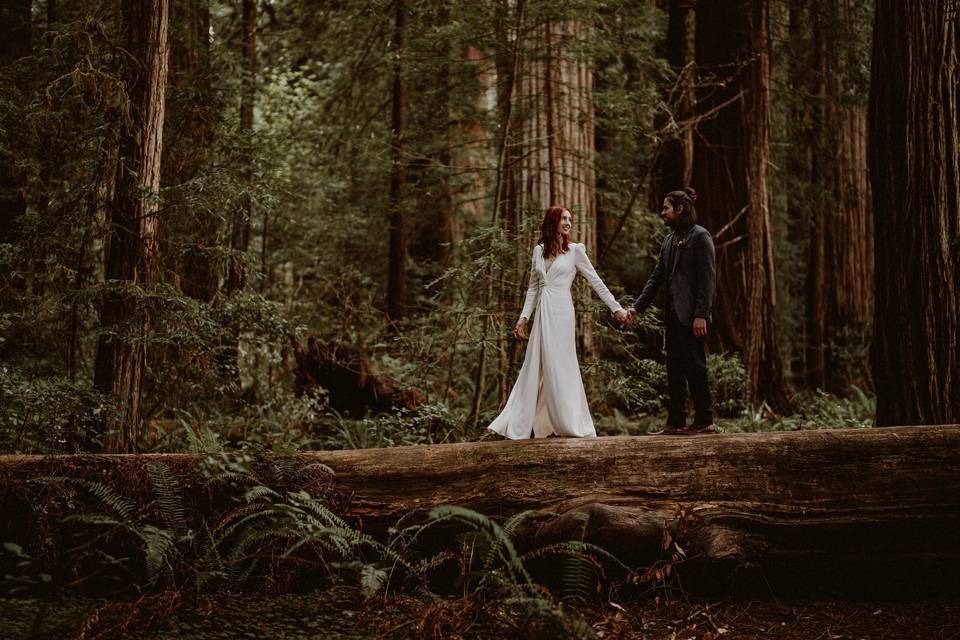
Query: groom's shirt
column 687, row 264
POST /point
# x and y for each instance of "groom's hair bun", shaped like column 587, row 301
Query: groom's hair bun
column 685, row 199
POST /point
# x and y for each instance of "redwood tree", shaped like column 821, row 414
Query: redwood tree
column 840, row 255
column 397, row 266
column 241, row 225
column 15, row 26
column 915, row 175
column 132, row 253
column 188, row 138
column 731, row 173
column 674, row 163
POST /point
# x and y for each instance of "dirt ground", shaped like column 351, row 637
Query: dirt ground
column 762, row 620
column 341, row 615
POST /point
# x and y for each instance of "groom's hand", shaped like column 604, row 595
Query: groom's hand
column 699, row 327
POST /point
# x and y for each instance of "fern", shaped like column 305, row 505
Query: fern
column 95, row 519
column 496, row 535
column 510, row 528
column 284, row 468
column 573, row 547
column 322, row 467
column 158, row 545
column 123, row 506
column 168, row 494
column 578, row 577
column 260, row 492
column 372, row 580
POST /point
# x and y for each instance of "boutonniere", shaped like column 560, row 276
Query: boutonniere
column 680, row 243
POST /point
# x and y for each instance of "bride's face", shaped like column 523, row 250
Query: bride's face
column 566, row 223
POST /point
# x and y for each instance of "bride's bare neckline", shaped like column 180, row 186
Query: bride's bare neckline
column 548, row 262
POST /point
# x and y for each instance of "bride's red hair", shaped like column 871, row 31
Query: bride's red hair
column 549, row 231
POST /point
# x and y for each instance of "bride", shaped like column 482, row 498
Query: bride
column 548, row 397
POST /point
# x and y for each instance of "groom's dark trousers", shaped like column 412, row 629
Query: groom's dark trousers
column 686, row 363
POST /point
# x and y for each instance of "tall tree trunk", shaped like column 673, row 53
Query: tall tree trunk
column 241, row 226
column 397, row 267
column 915, row 177
column 15, row 43
column 556, row 136
column 188, row 141
column 798, row 163
column 762, row 358
column 730, row 172
column 132, row 255
column 674, row 163
column 840, row 266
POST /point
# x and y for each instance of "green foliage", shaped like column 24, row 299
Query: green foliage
column 55, row 414
column 494, row 576
column 816, row 410
column 824, row 410
column 728, row 384
column 427, row 424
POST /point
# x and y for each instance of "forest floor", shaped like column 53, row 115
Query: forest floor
column 341, row 613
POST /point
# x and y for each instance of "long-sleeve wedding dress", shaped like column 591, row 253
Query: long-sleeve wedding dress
column 548, row 396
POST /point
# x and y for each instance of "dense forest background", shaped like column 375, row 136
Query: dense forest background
column 292, row 224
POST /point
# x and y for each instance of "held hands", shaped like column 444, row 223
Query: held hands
column 699, row 327
column 626, row 316
column 520, row 330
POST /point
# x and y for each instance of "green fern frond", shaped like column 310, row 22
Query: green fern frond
column 322, row 467
column 317, row 508
column 158, row 544
column 260, row 492
column 95, row 518
column 123, row 506
column 169, row 497
column 510, row 528
column 578, row 547
column 495, row 533
column 284, row 468
column 578, row 577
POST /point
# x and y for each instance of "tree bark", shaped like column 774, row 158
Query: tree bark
column 840, row 264
column 555, row 136
column 132, row 254
column 674, row 164
column 862, row 508
column 915, row 177
column 243, row 217
column 731, row 174
column 191, row 229
column 15, row 43
column 397, row 264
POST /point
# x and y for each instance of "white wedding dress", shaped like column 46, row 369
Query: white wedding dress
column 548, row 396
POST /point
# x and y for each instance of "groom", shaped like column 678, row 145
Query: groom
column 687, row 264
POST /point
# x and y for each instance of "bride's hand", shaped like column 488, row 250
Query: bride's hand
column 520, row 331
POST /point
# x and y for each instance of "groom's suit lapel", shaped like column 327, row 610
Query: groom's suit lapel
column 670, row 266
column 673, row 250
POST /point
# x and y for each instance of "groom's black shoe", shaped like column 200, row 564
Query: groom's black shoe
column 669, row 430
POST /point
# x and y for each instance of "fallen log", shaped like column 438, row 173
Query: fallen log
column 865, row 510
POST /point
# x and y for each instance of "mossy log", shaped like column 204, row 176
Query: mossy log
column 874, row 509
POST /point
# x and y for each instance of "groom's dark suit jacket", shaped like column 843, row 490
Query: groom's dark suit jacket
column 689, row 269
